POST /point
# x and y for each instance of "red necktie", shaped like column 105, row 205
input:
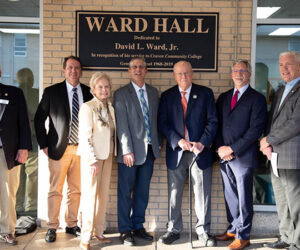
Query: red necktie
column 234, row 99
column 184, row 107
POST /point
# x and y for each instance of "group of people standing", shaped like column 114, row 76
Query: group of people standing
column 86, row 131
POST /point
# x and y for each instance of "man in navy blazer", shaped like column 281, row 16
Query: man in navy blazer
column 15, row 141
column 188, row 120
column 242, row 117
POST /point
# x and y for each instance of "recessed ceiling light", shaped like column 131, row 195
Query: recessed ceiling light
column 13, row 0
column 265, row 12
column 284, row 31
column 22, row 31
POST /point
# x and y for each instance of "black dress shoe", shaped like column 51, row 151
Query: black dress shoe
column 73, row 230
column 50, row 235
column 279, row 244
column 127, row 239
column 141, row 233
column 169, row 237
column 206, row 240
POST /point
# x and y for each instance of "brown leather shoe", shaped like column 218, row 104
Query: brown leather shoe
column 225, row 236
column 84, row 246
column 103, row 239
column 239, row 244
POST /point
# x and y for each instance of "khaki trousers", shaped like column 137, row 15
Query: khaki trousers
column 94, row 198
column 28, row 184
column 9, row 182
column 67, row 167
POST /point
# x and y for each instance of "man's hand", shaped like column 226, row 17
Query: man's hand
column 128, row 159
column 225, row 153
column 185, row 145
column 197, row 147
column 94, row 169
column 264, row 144
column 45, row 150
column 22, row 155
column 267, row 152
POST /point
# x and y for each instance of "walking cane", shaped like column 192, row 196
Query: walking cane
column 190, row 201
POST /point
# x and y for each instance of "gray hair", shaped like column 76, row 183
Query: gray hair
column 138, row 58
column 291, row 53
column 96, row 77
column 248, row 65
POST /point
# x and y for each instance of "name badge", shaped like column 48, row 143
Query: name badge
column 3, row 101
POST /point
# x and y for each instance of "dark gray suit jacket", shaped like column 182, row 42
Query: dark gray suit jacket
column 283, row 130
column 131, row 130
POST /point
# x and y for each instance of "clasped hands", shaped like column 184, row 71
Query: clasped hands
column 195, row 147
column 266, row 148
column 225, row 153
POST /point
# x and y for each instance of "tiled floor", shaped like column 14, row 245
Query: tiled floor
column 35, row 241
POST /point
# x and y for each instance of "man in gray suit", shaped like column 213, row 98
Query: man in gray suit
column 136, row 106
column 283, row 138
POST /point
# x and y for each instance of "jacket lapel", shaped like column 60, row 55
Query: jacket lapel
column 150, row 101
column 2, row 105
column 65, row 99
column 135, row 100
column 192, row 99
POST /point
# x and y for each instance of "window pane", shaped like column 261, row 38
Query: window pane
column 278, row 9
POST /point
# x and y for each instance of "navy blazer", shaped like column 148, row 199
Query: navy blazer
column 242, row 127
column 201, row 122
column 55, row 105
column 14, row 123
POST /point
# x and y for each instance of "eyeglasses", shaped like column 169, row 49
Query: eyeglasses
column 240, row 71
column 181, row 74
column 138, row 67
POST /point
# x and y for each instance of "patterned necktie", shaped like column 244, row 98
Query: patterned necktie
column 184, row 107
column 146, row 114
column 234, row 99
column 74, row 123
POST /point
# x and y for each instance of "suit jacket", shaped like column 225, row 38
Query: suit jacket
column 242, row 127
column 14, row 123
column 131, row 130
column 55, row 105
column 94, row 138
column 283, row 130
column 201, row 122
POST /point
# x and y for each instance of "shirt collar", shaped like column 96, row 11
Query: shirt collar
column 137, row 88
column 242, row 89
column 188, row 91
column 70, row 86
column 292, row 83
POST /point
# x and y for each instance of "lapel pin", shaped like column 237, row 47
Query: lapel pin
column 194, row 96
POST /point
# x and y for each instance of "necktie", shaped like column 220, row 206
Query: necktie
column 234, row 99
column 146, row 114
column 184, row 107
column 74, row 123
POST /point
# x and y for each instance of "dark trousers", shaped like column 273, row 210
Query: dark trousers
column 238, row 186
column 287, row 196
column 133, row 193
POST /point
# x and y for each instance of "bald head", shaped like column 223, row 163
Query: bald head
column 183, row 74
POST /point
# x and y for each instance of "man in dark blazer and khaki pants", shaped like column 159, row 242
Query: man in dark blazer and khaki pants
column 188, row 120
column 136, row 106
column 242, row 116
column 283, row 138
column 15, row 141
column 60, row 143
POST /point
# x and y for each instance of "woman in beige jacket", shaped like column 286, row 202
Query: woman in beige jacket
column 97, row 140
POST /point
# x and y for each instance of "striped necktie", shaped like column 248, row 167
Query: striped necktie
column 74, row 123
column 234, row 99
column 184, row 107
column 146, row 114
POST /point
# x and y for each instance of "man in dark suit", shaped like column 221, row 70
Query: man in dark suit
column 188, row 120
column 242, row 116
column 136, row 106
column 60, row 103
column 15, row 141
column 283, row 139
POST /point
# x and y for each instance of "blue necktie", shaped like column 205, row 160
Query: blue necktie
column 146, row 114
column 74, row 123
